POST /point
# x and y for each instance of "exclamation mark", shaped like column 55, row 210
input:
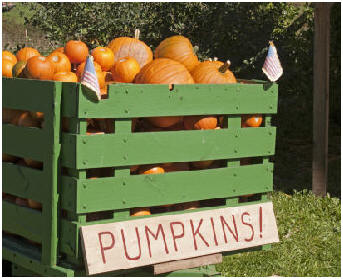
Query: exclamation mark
column 260, row 221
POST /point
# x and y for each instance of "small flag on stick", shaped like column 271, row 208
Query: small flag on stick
column 272, row 66
column 90, row 80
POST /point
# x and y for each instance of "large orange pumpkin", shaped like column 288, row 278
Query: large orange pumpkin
column 65, row 76
column 9, row 56
column 164, row 71
column 7, row 66
column 104, row 57
column 125, row 46
column 39, row 67
column 60, row 61
column 76, row 51
column 178, row 48
column 213, row 72
column 125, row 69
column 26, row 53
column 199, row 122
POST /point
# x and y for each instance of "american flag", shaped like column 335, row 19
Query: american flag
column 89, row 78
column 272, row 66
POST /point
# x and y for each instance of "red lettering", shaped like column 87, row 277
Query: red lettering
column 260, row 221
column 197, row 232
column 214, row 233
column 155, row 236
column 105, row 248
column 251, row 227
column 139, row 245
column 173, row 233
column 235, row 236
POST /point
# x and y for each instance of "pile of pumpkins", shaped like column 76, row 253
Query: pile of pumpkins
column 129, row 60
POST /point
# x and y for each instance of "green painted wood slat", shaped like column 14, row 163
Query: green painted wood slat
column 24, row 182
column 27, row 142
column 147, row 100
column 27, row 94
column 23, row 221
column 110, row 150
column 90, row 195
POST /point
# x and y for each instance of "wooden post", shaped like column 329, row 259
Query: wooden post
column 321, row 98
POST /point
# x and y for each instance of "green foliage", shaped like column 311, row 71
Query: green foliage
column 310, row 235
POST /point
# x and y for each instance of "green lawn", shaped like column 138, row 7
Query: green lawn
column 310, row 240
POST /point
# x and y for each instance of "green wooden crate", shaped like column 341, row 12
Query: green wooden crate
column 75, row 152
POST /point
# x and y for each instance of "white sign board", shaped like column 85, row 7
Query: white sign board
column 147, row 241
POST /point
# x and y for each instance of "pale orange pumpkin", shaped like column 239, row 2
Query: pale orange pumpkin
column 213, row 72
column 125, row 69
column 177, row 48
column 126, row 46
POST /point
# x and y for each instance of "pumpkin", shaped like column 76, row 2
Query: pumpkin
column 7, row 66
column 186, row 206
column 178, row 48
column 21, row 202
column 39, row 67
column 76, row 51
column 26, row 120
column 200, row 122
column 9, row 114
column 126, row 46
column 26, row 53
column 60, row 62
column 165, row 122
column 125, row 69
column 252, row 120
column 34, row 204
column 140, row 211
column 134, row 168
column 202, row 164
column 179, row 166
column 8, row 158
column 59, row 49
column 17, row 70
column 9, row 56
column 65, row 77
column 101, row 78
column 81, row 68
column 150, row 170
column 176, row 127
column 104, row 57
column 164, row 71
column 213, row 72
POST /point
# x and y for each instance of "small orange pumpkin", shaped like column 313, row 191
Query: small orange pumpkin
column 26, row 53
column 76, row 51
column 151, row 170
column 104, row 57
column 9, row 56
column 7, row 66
column 125, row 69
column 60, row 61
column 140, row 211
column 65, row 77
column 252, row 120
column 39, row 67
column 200, row 122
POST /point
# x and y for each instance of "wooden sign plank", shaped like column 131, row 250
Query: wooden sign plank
column 188, row 263
column 148, row 241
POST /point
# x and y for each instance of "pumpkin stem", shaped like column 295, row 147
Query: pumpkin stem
column 223, row 68
column 137, row 33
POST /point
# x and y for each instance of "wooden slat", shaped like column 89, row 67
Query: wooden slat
column 24, row 182
column 321, row 69
column 27, row 142
column 23, row 221
column 111, row 150
column 27, row 94
column 188, row 263
column 146, row 100
column 89, row 195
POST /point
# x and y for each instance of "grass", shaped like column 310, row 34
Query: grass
column 310, row 241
